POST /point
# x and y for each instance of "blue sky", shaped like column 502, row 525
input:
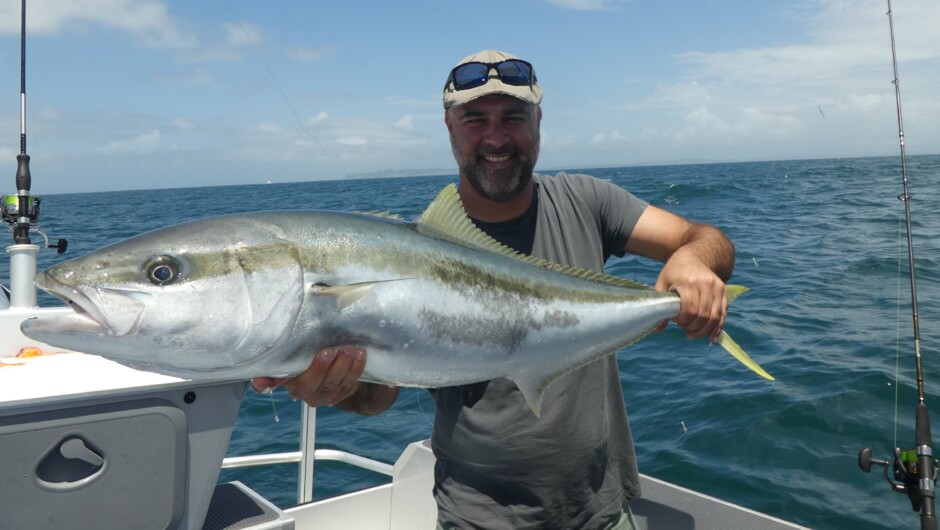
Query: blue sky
column 127, row 94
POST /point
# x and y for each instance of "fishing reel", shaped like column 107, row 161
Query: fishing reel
column 10, row 213
column 906, row 468
column 10, row 208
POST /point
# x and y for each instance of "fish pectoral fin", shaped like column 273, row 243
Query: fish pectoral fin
column 346, row 295
column 533, row 390
column 726, row 342
column 349, row 294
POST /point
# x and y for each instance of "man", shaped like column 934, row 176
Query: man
column 498, row 466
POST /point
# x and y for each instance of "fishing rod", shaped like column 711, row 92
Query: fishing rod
column 915, row 470
column 21, row 210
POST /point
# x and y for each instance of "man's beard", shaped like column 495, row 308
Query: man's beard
column 497, row 185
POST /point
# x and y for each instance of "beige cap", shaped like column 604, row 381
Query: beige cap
column 528, row 93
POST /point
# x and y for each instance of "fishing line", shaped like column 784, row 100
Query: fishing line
column 760, row 193
column 346, row 192
column 897, row 338
column 277, row 418
column 424, row 414
column 286, row 99
column 758, row 202
column 914, row 469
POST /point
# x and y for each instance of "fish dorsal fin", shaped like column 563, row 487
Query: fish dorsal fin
column 446, row 219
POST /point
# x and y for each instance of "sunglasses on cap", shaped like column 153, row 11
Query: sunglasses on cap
column 514, row 72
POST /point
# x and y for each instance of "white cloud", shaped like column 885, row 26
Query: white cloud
column 406, row 123
column 844, row 47
column 270, row 128
column 148, row 20
column 306, row 55
column 7, row 153
column 607, row 137
column 197, row 77
column 587, row 5
column 352, row 140
column 241, row 34
column 731, row 102
column 182, row 124
column 865, row 102
column 147, row 142
column 701, row 124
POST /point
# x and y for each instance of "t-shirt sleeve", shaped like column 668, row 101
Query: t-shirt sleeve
column 616, row 210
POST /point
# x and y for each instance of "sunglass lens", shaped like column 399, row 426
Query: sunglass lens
column 513, row 72
column 470, row 75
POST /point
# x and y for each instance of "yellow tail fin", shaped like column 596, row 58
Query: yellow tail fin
column 725, row 341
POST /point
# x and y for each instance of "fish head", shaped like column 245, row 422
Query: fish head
column 191, row 299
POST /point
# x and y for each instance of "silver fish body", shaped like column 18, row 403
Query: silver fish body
column 434, row 303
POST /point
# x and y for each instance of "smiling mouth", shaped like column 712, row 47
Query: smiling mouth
column 496, row 158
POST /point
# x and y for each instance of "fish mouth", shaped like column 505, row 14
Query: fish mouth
column 78, row 302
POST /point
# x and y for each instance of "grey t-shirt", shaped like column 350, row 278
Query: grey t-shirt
column 501, row 467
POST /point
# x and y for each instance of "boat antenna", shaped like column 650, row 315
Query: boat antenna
column 915, row 470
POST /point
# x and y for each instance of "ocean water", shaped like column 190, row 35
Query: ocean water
column 820, row 244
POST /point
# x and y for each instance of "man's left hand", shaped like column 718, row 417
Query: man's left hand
column 703, row 296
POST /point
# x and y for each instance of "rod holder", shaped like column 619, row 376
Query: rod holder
column 22, row 273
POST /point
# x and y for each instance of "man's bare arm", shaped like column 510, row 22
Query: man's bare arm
column 697, row 258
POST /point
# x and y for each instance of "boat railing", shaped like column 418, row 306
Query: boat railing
column 306, row 457
column 297, row 456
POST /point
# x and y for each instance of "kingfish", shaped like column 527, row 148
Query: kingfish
column 434, row 303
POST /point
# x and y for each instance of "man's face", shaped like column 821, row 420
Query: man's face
column 495, row 140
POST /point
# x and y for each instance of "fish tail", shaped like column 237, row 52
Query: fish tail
column 726, row 342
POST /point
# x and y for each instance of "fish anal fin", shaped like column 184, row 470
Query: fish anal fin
column 533, row 390
column 534, row 385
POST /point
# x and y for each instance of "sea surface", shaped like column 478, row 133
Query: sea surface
column 821, row 244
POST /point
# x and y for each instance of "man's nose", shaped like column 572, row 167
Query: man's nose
column 496, row 134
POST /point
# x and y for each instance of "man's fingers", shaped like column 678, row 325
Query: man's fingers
column 263, row 385
column 340, row 379
column 701, row 313
column 332, row 376
column 350, row 378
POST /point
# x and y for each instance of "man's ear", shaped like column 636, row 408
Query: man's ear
column 447, row 121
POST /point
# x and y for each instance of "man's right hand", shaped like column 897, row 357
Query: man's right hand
column 333, row 379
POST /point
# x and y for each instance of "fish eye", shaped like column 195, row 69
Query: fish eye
column 162, row 270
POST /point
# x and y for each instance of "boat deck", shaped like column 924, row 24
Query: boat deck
column 88, row 444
